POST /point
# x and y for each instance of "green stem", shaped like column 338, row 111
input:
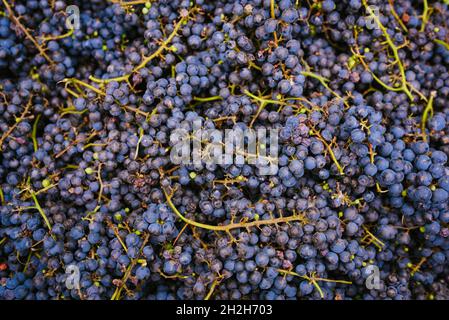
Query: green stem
column 41, row 211
column 324, row 81
column 267, row 101
column 214, row 98
column 329, row 149
column 394, row 49
column 84, row 84
column 263, row 103
column 118, row 290
column 441, row 42
column 68, row 111
column 212, row 289
column 33, row 134
column 13, row 127
column 427, row 110
column 425, row 16
column 395, row 14
column 230, row 226
column 27, row 262
column 59, row 37
column 313, row 280
column 41, row 191
column 141, row 132
column 16, row 21
column 146, row 60
column 2, row 197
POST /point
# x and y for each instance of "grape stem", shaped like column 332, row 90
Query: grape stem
column 33, row 134
column 212, row 287
column 82, row 83
column 371, row 238
column 357, row 54
column 329, row 149
column 273, row 16
column 41, row 211
column 404, row 84
column 118, row 290
column 263, row 103
column 2, row 197
column 117, row 235
column 59, row 37
column 141, row 134
column 130, row 3
column 146, row 60
column 213, row 98
column 26, row 32
column 14, row 126
column 425, row 117
column 395, row 14
column 425, row 16
column 441, row 42
column 312, row 279
column 323, row 82
column 231, row 226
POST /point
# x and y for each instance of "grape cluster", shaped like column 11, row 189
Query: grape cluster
column 358, row 91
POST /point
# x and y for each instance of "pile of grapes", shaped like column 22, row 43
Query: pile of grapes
column 92, row 205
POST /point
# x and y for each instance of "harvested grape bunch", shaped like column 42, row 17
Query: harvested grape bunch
column 112, row 188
